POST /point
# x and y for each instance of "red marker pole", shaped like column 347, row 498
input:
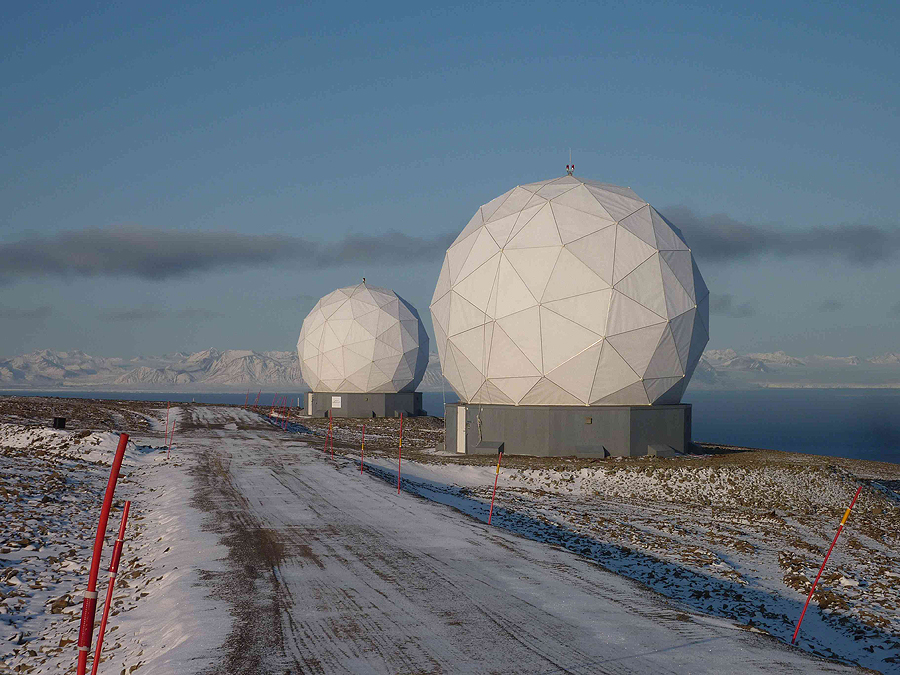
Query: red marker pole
column 811, row 590
column 399, row 453
column 330, row 434
column 171, row 440
column 362, row 450
column 256, row 402
column 113, row 568
column 89, row 607
column 494, row 494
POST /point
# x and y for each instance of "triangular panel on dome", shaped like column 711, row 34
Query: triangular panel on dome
column 472, row 378
column 534, row 187
column 524, row 329
column 665, row 361
column 645, row 285
column 451, row 373
column 459, row 252
column 571, row 277
column 540, row 230
column 535, row 201
column 357, row 333
column 377, row 379
column 640, row 224
column 329, row 339
column 672, row 396
column 566, row 180
column 344, row 312
column 633, row 394
column 490, row 394
column 463, row 315
column 474, row 223
column 441, row 339
column 656, row 388
column 360, row 379
column 501, row 229
column 513, row 204
column 630, row 253
column 666, row 237
column 354, row 362
column 682, row 326
column 617, row 189
column 534, row 265
column 477, row 287
column 589, row 310
column 700, row 289
column 612, row 375
column 474, row 344
column 626, row 315
column 699, row 339
column 331, row 365
column 554, row 189
column 409, row 335
column 512, row 293
column 619, row 206
column 525, row 216
column 358, row 307
column 440, row 312
column 330, row 307
column 330, row 385
column 313, row 320
column 341, row 328
column 515, row 387
column 388, row 365
column 574, row 224
column 506, row 359
column 491, row 207
column 637, row 346
column 576, row 375
column 678, row 300
column 597, row 251
column 703, row 312
column 546, row 392
column 679, row 262
column 582, row 200
column 483, row 249
column 562, row 338
column 391, row 338
column 314, row 336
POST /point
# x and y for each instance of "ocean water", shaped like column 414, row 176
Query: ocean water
column 854, row 423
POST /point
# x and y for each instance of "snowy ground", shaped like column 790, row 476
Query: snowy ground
column 249, row 551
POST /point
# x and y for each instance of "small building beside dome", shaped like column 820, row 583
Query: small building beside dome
column 569, row 317
column 363, row 351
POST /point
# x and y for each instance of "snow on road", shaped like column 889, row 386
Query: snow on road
column 332, row 571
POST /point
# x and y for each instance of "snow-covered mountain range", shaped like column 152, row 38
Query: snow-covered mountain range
column 236, row 369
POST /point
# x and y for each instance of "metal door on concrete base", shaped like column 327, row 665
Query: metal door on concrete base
column 461, row 429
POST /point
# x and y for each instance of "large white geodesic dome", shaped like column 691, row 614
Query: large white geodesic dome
column 570, row 292
column 363, row 339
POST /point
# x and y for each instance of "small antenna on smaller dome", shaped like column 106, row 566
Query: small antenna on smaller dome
column 570, row 168
column 364, row 281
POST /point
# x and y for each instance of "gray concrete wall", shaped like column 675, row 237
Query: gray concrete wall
column 566, row 431
column 366, row 405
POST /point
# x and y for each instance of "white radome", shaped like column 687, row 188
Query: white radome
column 570, row 292
column 363, row 339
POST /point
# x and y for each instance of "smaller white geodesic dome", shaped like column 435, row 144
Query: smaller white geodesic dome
column 570, row 292
column 363, row 339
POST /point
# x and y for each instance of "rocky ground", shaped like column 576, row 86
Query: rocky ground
column 732, row 532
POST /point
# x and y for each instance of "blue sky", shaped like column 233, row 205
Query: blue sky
column 327, row 122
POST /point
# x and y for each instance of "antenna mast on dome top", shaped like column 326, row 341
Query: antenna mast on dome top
column 570, row 168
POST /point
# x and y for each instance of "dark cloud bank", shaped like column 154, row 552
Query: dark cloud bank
column 724, row 305
column 158, row 255
column 720, row 238
column 166, row 254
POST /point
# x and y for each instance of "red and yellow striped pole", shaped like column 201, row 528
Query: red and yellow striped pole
column 113, row 569
column 362, row 450
column 399, row 453
column 496, row 476
column 812, row 590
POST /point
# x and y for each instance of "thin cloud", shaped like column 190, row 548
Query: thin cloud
column 17, row 313
column 831, row 305
column 721, row 238
column 125, row 315
column 158, row 255
column 724, row 305
column 198, row 314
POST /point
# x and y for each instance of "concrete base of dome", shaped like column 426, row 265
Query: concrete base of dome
column 567, row 431
column 318, row 404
